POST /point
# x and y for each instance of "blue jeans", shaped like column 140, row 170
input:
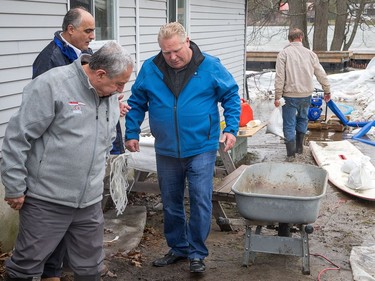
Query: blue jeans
column 186, row 237
column 295, row 117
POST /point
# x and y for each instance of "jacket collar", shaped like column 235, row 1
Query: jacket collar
column 196, row 59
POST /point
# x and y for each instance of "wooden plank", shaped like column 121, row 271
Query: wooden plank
column 225, row 185
column 227, row 160
column 249, row 132
column 362, row 56
column 219, row 213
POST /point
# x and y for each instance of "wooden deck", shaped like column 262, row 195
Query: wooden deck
column 324, row 56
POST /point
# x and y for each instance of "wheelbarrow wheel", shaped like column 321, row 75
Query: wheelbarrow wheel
column 284, row 230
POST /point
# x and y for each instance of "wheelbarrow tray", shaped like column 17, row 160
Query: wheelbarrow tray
column 280, row 192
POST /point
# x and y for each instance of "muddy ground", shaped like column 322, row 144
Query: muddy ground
column 343, row 222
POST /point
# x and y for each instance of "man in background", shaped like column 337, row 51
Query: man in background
column 78, row 29
column 54, row 154
column 295, row 69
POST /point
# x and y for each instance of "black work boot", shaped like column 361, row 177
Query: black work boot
column 300, row 137
column 290, row 151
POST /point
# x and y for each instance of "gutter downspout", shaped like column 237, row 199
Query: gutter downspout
column 247, row 97
column 137, row 38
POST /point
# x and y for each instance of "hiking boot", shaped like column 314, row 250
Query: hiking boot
column 197, row 266
column 51, row 279
column 168, row 259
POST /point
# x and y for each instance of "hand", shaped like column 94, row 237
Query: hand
column 277, row 103
column 132, row 145
column 327, row 97
column 124, row 108
column 15, row 203
column 229, row 140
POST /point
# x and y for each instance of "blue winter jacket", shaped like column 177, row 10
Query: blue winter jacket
column 187, row 123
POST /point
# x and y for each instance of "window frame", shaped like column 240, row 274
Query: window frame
column 96, row 44
column 172, row 9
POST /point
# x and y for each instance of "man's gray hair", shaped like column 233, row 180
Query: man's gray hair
column 112, row 58
column 73, row 17
column 171, row 29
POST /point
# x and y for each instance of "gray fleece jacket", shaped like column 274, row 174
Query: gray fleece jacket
column 55, row 146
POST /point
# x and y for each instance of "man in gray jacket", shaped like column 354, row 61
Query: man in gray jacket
column 295, row 69
column 54, row 155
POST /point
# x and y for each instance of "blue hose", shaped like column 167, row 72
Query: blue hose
column 342, row 117
column 337, row 112
column 363, row 132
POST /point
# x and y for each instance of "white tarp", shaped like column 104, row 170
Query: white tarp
column 145, row 159
column 362, row 261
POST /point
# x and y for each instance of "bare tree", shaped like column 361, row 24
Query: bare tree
column 262, row 13
column 297, row 17
column 358, row 14
column 340, row 25
column 346, row 13
column 321, row 25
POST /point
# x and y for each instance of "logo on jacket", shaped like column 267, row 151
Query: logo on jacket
column 76, row 106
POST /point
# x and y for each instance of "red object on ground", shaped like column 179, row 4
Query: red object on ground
column 246, row 113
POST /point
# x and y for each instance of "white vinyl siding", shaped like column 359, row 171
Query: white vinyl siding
column 218, row 27
column 26, row 27
column 138, row 30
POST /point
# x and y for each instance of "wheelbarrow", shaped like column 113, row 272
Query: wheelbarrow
column 283, row 194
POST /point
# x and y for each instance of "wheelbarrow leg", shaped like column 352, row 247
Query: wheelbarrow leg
column 248, row 254
column 305, row 251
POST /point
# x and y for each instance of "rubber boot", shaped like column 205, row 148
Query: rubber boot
column 290, row 151
column 300, row 137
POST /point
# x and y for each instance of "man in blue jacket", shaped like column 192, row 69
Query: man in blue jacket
column 181, row 88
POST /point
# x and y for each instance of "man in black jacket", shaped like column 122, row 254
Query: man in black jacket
column 77, row 32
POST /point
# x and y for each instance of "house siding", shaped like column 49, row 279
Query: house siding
column 218, row 27
column 27, row 26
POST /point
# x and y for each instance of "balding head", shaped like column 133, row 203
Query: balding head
column 295, row 34
column 78, row 28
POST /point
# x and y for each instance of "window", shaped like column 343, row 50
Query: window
column 178, row 11
column 104, row 14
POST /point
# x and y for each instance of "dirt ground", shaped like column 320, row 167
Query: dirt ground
column 343, row 222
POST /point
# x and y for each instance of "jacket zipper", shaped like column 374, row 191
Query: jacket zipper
column 176, row 125
column 94, row 150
